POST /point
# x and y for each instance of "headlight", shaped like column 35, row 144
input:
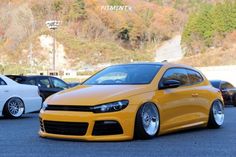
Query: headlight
column 111, row 107
column 45, row 105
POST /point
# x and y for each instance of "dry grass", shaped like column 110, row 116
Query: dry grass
column 213, row 57
column 223, row 54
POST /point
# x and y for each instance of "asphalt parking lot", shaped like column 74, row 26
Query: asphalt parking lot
column 19, row 137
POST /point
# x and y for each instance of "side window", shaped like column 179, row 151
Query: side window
column 226, row 85
column 19, row 79
column 59, row 84
column 31, row 81
column 194, row 77
column 2, row 82
column 44, row 83
column 178, row 74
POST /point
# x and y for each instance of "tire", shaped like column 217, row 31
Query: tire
column 216, row 116
column 14, row 108
column 147, row 121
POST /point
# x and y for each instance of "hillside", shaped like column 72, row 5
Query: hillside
column 209, row 36
column 90, row 33
column 94, row 32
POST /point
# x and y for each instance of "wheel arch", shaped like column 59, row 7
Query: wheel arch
column 212, row 102
column 211, row 124
column 217, row 99
column 136, row 112
column 14, row 96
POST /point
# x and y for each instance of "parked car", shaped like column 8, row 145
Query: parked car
column 17, row 99
column 133, row 100
column 47, row 85
column 228, row 91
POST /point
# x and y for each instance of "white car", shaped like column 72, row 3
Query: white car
column 17, row 99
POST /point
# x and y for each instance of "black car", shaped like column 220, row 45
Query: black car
column 228, row 91
column 47, row 85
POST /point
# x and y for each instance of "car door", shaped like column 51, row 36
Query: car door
column 58, row 85
column 199, row 109
column 45, row 86
column 176, row 103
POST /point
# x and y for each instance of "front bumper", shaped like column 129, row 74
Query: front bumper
column 124, row 118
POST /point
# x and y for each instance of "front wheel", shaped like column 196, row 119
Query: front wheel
column 14, row 108
column 216, row 118
column 147, row 121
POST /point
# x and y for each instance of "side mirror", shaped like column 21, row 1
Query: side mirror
column 170, row 84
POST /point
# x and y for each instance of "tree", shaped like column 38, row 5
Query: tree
column 57, row 6
column 209, row 23
column 76, row 11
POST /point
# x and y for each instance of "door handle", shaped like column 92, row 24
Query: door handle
column 195, row 95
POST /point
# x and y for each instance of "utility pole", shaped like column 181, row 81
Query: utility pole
column 53, row 25
column 54, row 51
column 31, row 58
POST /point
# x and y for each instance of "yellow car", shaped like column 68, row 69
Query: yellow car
column 140, row 100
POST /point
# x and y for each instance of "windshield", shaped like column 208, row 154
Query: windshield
column 124, row 75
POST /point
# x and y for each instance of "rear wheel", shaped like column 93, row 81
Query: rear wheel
column 147, row 121
column 216, row 118
column 14, row 108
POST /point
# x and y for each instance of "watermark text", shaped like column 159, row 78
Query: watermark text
column 116, row 8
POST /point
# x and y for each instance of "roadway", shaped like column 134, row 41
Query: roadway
column 19, row 137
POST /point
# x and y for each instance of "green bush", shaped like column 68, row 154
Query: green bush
column 115, row 2
column 76, row 11
column 209, row 21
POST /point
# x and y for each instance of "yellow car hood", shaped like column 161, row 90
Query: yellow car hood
column 96, row 94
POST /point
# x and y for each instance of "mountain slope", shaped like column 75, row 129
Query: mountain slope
column 90, row 34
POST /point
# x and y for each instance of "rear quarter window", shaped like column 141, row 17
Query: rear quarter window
column 194, row 76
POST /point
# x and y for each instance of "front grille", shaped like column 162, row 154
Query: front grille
column 41, row 124
column 107, row 128
column 69, row 108
column 65, row 128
